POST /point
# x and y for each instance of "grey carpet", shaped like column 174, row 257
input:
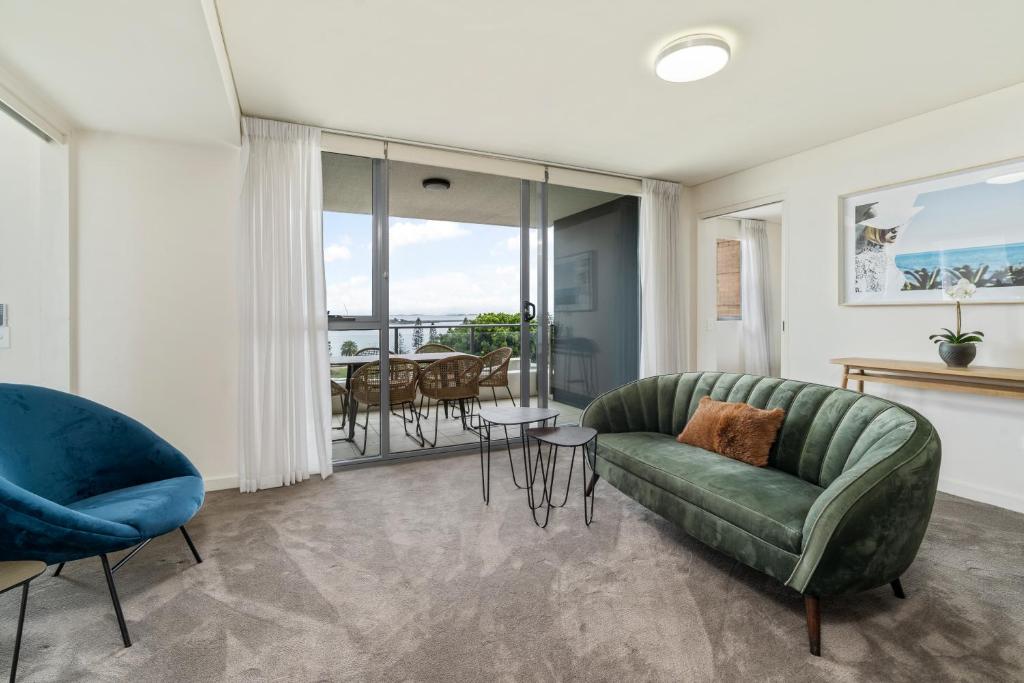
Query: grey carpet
column 400, row 573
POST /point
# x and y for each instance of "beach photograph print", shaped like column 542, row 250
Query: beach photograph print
column 908, row 244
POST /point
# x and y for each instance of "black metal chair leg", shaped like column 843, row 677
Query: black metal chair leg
column 117, row 603
column 437, row 413
column 120, row 563
column 191, row 545
column 57, row 571
column 21, row 624
column 366, row 431
column 415, row 417
column 510, row 396
column 897, row 589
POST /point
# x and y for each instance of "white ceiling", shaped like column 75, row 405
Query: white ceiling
column 472, row 197
column 568, row 82
column 128, row 66
column 572, row 82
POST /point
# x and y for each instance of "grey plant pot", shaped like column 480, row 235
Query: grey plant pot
column 957, row 355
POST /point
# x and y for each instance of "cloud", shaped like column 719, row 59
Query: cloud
column 406, row 232
column 455, row 292
column 352, row 296
column 337, row 252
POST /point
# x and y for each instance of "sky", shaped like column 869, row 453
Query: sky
column 952, row 213
column 436, row 267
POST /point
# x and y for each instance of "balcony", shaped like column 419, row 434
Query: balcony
column 471, row 338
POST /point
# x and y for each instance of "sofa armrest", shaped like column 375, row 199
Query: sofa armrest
column 866, row 528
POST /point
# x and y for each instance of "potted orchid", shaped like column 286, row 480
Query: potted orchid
column 958, row 348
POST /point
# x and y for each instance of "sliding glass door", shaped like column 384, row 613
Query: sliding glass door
column 586, row 266
column 453, row 291
column 426, row 266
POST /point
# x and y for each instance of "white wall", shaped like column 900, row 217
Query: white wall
column 34, row 257
column 155, row 291
column 983, row 438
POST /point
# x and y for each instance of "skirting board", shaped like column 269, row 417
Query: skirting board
column 982, row 494
column 220, row 483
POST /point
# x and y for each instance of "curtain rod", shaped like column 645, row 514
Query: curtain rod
column 479, row 153
column 473, row 152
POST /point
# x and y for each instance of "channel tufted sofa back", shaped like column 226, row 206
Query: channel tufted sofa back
column 826, row 431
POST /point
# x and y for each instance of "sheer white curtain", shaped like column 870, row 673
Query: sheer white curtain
column 756, row 297
column 284, row 391
column 664, row 325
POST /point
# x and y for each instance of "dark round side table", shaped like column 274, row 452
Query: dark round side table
column 505, row 417
column 564, row 437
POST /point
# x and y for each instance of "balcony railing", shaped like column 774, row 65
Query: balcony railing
column 477, row 338
column 472, row 338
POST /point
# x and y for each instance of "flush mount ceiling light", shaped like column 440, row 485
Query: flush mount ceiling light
column 1006, row 179
column 436, row 184
column 692, row 58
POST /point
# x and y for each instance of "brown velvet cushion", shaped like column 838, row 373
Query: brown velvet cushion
column 735, row 430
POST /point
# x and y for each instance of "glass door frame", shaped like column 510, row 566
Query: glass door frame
column 378, row 317
column 534, row 304
column 533, row 194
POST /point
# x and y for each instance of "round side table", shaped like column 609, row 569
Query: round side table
column 505, row 417
column 564, row 437
column 12, row 575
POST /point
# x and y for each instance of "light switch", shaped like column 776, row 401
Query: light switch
column 5, row 327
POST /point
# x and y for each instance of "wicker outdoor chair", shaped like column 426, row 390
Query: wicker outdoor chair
column 403, row 377
column 368, row 351
column 434, row 347
column 495, row 373
column 449, row 381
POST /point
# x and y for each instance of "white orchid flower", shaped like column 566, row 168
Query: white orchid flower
column 964, row 289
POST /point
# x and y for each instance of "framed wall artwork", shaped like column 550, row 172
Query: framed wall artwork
column 574, row 282
column 908, row 243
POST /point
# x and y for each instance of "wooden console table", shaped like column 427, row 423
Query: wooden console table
column 1005, row 382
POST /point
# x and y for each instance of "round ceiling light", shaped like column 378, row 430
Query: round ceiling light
column 436, row 184
column 1006, row 179
column 692, row 58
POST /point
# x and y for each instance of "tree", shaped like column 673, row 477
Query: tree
column 486, row 339
column 349, row 348
column 417, row 334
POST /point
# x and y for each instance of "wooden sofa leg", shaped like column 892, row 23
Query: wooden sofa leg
column 897, row 589
column 813, row 610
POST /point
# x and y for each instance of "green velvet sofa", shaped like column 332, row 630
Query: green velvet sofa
column 841, row 507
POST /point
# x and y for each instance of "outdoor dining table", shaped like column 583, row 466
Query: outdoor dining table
column 353, row 363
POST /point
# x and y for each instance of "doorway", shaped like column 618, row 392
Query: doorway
column 727, row 341
column 472, row 263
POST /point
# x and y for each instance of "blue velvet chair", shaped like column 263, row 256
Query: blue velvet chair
column 80, row 480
